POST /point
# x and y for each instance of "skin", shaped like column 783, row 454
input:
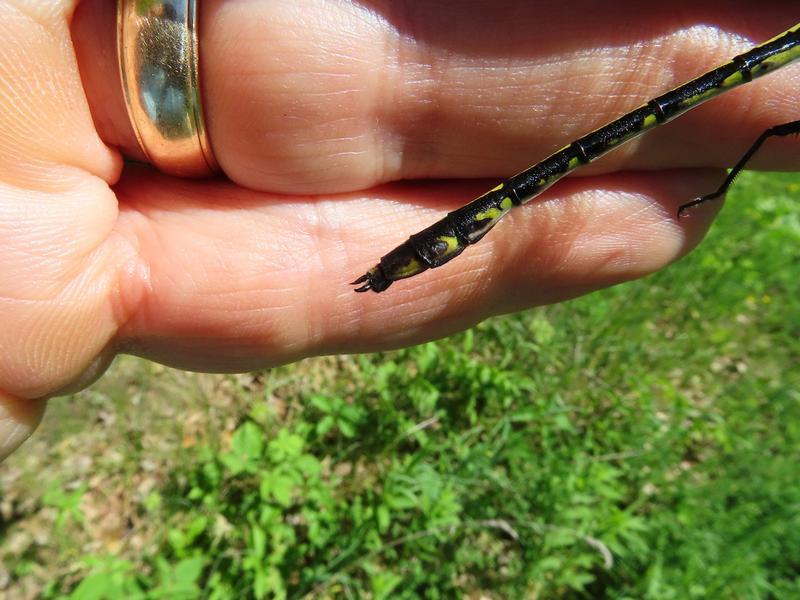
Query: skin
column 320, row 112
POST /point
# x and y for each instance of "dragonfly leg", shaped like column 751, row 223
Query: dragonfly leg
column 791, row 128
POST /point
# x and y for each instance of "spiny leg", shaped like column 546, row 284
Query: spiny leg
column 791, row 128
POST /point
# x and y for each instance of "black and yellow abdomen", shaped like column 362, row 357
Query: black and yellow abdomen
column 447, row 238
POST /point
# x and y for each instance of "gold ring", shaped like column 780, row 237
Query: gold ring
column 158, row 59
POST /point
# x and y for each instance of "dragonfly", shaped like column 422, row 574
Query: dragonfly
column 447, row 238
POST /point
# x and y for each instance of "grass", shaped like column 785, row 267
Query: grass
column 641, row 442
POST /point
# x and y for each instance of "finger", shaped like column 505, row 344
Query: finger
column 314, row 96
column 238, row 280
column 45, row 124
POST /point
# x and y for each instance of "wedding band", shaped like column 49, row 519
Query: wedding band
column 157, row 47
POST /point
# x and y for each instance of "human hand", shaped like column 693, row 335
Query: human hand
column 316, row 111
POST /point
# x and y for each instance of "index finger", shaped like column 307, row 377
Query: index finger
column 313, row 96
